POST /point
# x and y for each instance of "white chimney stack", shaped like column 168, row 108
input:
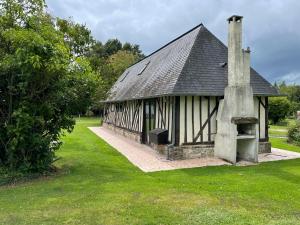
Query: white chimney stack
column 237, row 132
column 235, row 56
column 246, row 66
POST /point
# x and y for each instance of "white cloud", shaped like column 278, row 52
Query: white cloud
column 291, row 78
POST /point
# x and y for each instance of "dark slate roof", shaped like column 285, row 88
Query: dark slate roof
column 189, row 65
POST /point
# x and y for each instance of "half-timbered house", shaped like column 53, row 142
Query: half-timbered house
column 178, row 88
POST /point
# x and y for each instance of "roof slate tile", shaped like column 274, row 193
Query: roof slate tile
column 188, row 65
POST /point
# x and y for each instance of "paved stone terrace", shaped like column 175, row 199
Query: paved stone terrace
column 148, row 160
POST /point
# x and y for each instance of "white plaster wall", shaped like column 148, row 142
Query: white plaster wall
column 171, row 118
column 262, row 120
column 165, row 104
column 120, row 119
column 165, row 111
column 181, row 118
column 262, row 116
column 204, row 115
column 156, row 115
column 213, row 123
column 189, row 119
column 141, row 116
column 123, row 120
column 197, row 116
column 204, row 118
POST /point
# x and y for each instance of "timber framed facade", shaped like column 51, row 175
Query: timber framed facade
column 178, row 89
column 196, row 117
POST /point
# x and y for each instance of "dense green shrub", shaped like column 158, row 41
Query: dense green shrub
column 279, row 108
column 295, row 106
column 292, row 92
column 40, row 83
column 294, row 133
column 50, row 69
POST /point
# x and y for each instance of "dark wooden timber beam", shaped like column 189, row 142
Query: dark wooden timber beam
column 185, row 119
column 267, row 118
column 137, row 109
column 161, row 115
column 177, row 120
column 206, row 122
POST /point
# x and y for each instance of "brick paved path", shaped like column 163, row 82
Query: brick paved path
column 149, row 160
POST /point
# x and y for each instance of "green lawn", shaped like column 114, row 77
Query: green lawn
column 97, row 185
column 276, row 131
column 283, row 144
column 281, row 131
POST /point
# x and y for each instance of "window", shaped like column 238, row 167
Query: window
column 144, row 67
column 119, row 107
column 123, row 78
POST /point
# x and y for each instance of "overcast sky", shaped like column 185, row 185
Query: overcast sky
column 270, row 27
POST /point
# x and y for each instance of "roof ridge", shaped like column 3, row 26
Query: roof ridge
column 170, row 42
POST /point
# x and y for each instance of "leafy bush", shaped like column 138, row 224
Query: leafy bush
column 295, row 106
column 294, row 133
column 41, row 81
column 279, row 108
column 292, row 91
column 50, row 69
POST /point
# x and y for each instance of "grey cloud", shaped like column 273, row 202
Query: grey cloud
column 270, row 26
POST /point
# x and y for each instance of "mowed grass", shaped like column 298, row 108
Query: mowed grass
column 278, row 136
column 97, row 185
column 275, row 131
column 283, row 144
column 281, row 130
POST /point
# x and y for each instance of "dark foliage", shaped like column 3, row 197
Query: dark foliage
column 279, row 108
column 34, row 80
column 50, row 69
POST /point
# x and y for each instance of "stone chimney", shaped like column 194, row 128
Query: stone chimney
column 237, row 132
column 235, row 59
column 238, row 58
column 246, row 66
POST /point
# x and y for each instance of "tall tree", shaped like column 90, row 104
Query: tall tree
column 38, row 80
column 279, row 107
column 77, row 36
column 135, row 49
column 97, row 56
column 109, row 72
column 120, row 61
column 112, row 46
column 292, row 92
column 109, row 61
column 80, row 41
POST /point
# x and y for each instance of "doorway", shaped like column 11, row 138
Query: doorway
column 149, row 119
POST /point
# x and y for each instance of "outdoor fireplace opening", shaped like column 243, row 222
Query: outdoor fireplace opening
column 245, row 129
column 246, row 141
